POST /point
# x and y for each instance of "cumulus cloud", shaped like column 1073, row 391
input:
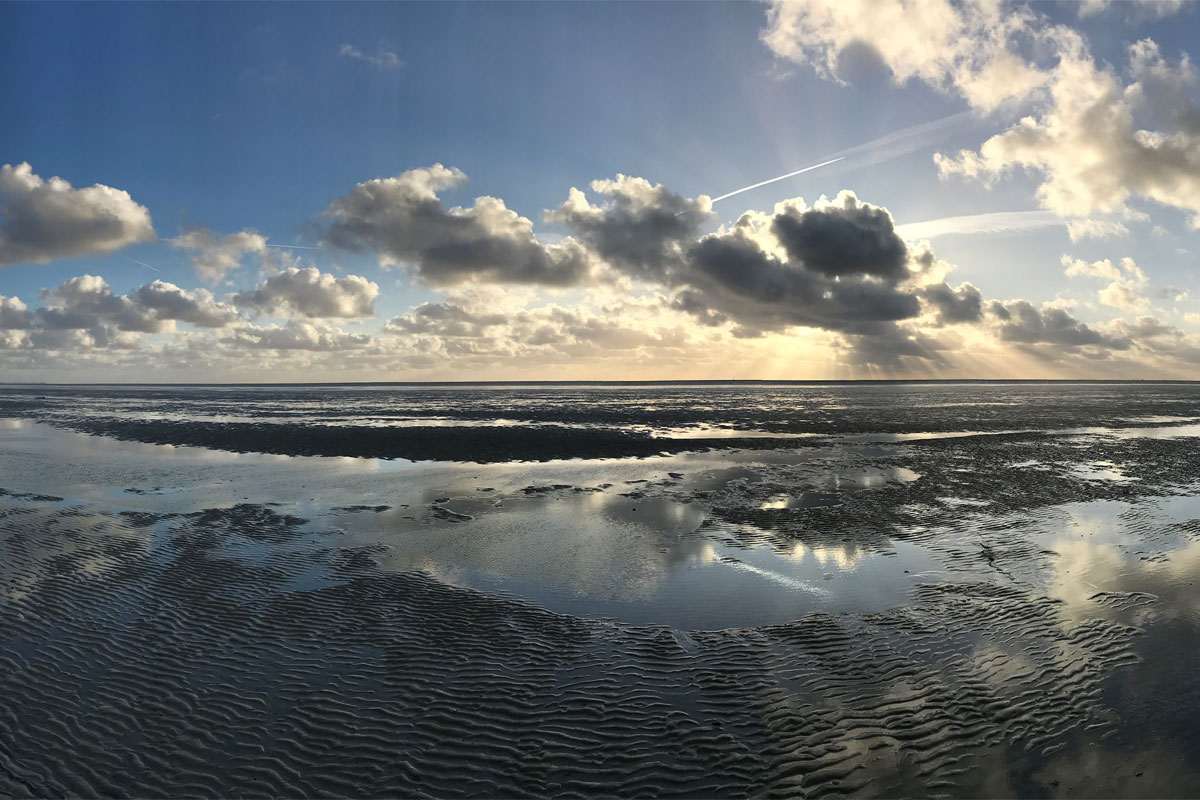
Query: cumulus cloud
column 41, row 220
column 837, row 265
column 83, row 311
column 310, row 293
column 1127, row 281
column 1020, row 322
column 403, row 222
column 1089, row 144
column 843, row 238
column 970, row 47
column 1096, row 140
column 214, row 256
column 14, row 314
column 196, row 306
column 639, row 228
column 964, row 304
column 87, row 302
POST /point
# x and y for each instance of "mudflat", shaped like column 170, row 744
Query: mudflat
column 731, row 590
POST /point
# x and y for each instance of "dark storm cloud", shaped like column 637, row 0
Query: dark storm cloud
column 403, row 222
column 41, row 220
column 964, row 304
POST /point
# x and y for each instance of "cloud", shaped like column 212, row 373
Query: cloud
column 844, row 238
column 1091, row 144
column 1146, row 9
column 84, row 312
column 197, row 306
column 1127, row 281
column 972, row 47
column 403, row 222
column 296, row 335
column 447, row 319
column 640, row 228
column 964, row 304
column 1080, row 229
column 837, row 265
column 87, row 302
column 14, row 314
column 456, row 329
column 214, row 256
column 310, row 293
column 42, row 220
column 972, row 224
column 1020, row 322
column 1096, row 141
column 381, row 58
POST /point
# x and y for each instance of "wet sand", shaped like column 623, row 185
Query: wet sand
column 1007, row 612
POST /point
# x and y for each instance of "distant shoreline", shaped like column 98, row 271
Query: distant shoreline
column 698, row 382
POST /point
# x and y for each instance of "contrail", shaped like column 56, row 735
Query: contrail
column 885, row 148
column 995, row 222
column 144, row 264
column 294, row 246
column 780, row 178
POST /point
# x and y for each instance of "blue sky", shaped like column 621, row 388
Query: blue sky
column 252, row 116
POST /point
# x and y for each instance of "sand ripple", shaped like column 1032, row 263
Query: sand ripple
column 229, row 653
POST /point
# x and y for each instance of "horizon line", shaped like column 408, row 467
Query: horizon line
column 663, row 382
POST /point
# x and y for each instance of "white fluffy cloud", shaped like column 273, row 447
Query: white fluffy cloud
column 310, row 293
column 83, row 312
column 196, row 306
column 970, row 47
column 41, row 220
column 214, row 256
column 1097, row 140
column 1127, row 281
column 1090, row 143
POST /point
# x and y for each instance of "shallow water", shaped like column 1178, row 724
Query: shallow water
column 979, row 610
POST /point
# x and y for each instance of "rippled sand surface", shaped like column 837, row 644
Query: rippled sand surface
column 972, row 590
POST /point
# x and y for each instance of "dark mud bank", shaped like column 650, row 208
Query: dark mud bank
column 480, row 444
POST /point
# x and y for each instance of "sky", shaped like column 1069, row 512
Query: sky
column 507, row 191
